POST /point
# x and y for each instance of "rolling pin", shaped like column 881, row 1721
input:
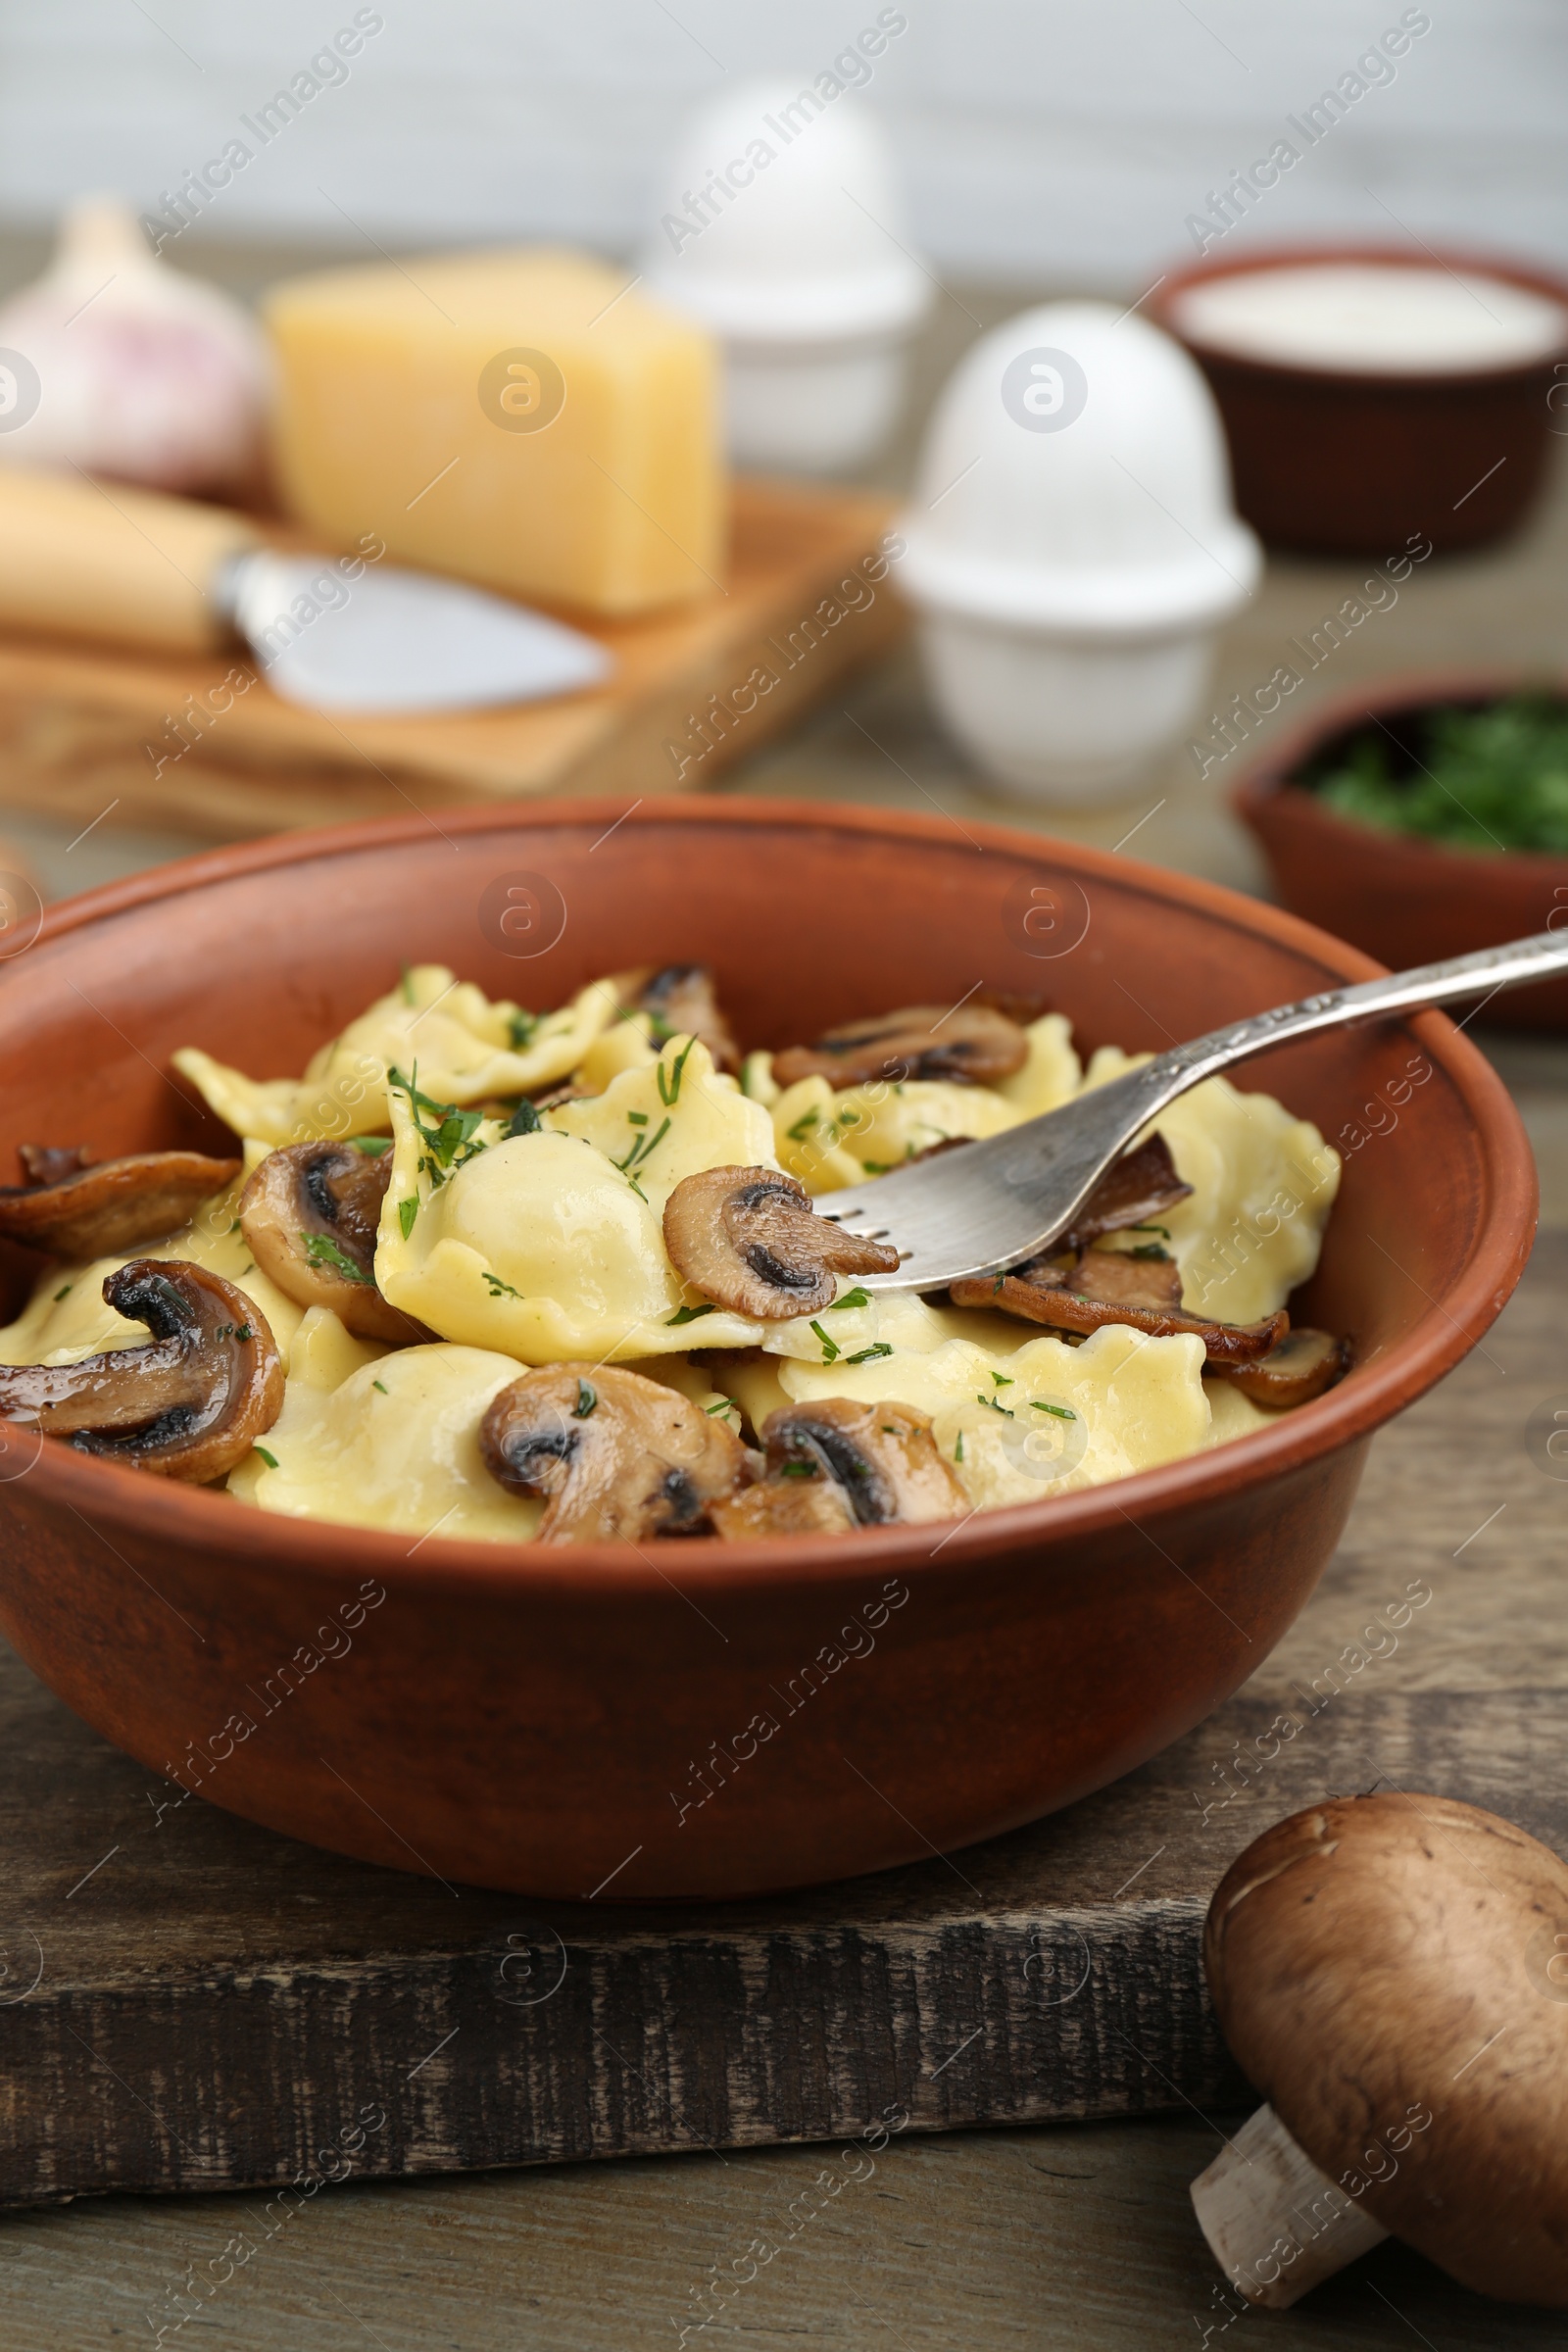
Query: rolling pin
column 81, row 558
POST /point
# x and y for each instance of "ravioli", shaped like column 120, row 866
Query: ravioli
column 394, row 1443
column 549, row 1246
column 1263, row 1182
column 466, row 1050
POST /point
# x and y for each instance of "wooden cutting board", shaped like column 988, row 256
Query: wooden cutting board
column 92, row 732
column 190, row 2003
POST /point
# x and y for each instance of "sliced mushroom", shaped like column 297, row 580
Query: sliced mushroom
column 49, row 1163
column 1126, row 1278
column 615, row 1455
column 750, row 1240
column 973, row 1044
column 310, row 1213
column 1136, row 1186
column 188, row 1403
column 1300, row 1367
column 808, row 1505
column 879, row 1460
column 95, row 1209
column 684, row 1003
column 1080, row 1298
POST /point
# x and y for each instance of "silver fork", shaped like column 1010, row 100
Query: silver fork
column 995, row 1202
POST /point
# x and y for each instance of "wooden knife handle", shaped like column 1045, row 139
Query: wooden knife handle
column 81, row 558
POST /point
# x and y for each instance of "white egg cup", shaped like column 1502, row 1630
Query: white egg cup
column 1072, row 549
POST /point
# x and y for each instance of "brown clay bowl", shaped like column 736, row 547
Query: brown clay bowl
column 1404, row 900
column 537, row 1718
column 1339, row 463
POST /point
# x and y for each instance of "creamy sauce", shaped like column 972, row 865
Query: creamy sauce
column 1374, row 317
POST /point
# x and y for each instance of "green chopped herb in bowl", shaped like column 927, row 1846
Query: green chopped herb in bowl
column 1488, row 779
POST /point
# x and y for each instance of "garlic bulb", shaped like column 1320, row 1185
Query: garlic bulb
column 136, row 371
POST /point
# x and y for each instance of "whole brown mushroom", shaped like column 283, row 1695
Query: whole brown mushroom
column 838, row 1464
column 1392, row 1972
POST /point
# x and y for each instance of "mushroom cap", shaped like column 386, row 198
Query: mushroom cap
column 1377, row 1960
column 310, row 1213
column 613, row 1453
column 685, row 1002
column 882, row 1456
column 973, row 1044
column 750, row 1240
column 188, row 1403
column 1138, row 1185
column 98, row 1209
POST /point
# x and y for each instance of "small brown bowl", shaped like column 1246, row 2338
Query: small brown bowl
column 708, row 1719
column 1398, row 898
column 1333, row 462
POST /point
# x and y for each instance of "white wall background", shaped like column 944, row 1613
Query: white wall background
column 1057, row 141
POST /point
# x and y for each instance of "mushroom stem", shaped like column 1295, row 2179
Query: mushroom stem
column 1277, row 2225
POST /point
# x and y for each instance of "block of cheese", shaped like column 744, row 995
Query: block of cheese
column 510, row 416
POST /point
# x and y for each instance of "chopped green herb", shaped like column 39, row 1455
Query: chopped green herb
column 1489, row 780
column 638, row 1118
column 381, row 1385
column 855, row 1297
column 407, row 1211
column 725, row 1404
column 1003, row 1380
column 372, row 1145
column 587, row 1398
column 64, row 1294
column 1154, row 1249
column 446, row 1146
column 408, row 999
column 498, row 1286
column 996, row 1285
column 1163, row 1230
column 1063, row 1413
column 688, row 1314
column 234, row 1225
column 879, row 1348
column 520, row 1028
column 524, row 1120
column 957, row 1450
column 248, row 1266
column 270, row 1459
column 830, row 1346
column 676, row 1073
column 798, row 1469
column 322, row 1251
column 643, row 1147
column 995, row 1406
column 797, row 1132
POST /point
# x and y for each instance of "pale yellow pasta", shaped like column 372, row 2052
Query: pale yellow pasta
column 466, row 1050
column 550, row 1246
column 393, row 1445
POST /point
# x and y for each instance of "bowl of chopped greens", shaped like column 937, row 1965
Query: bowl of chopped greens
column 1426, row 821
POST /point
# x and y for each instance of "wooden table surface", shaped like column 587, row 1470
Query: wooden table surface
column 1067, row 2235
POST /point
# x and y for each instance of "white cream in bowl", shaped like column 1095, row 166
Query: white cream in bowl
column 1373, row 318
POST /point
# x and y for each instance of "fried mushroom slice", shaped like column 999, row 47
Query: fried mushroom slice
column 1133, row 1188
column 188, row 1403
column 974, row 1044
column 613, row 1454
column 97, row 1208
column 1080, row 1297
column 310, row 1213
column 862, row 1465
column 749, row 1241
column 684, row 1003
column 1300, row 1367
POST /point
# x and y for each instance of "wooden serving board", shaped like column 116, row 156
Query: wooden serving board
column 88, row 729
column 190, row 2003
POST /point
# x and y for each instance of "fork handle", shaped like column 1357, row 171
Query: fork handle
column 1543, row 957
